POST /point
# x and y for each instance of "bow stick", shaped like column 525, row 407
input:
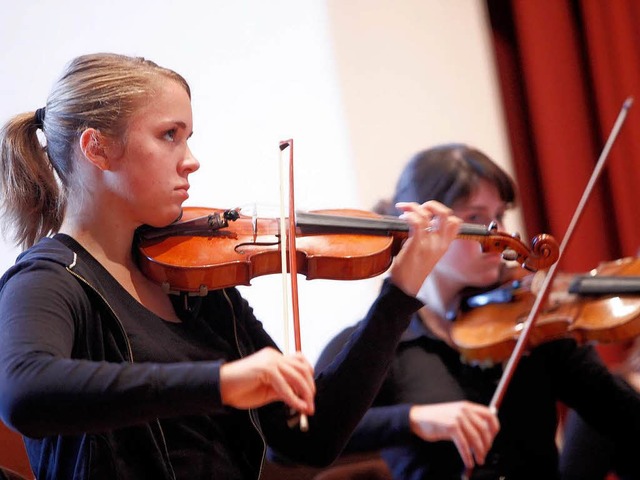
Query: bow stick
column 542, row 294
column 289, row 234
column 521, row 344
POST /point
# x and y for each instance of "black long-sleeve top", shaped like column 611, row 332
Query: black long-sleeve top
column 102, row 388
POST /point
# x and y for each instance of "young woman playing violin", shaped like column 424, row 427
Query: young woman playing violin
column 107, row 376
column 424, row 416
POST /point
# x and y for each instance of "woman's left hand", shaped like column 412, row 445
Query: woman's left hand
column 432, row 228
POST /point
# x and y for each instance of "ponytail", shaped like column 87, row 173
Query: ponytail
column 32, row 202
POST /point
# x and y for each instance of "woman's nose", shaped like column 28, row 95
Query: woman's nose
column 190, row 163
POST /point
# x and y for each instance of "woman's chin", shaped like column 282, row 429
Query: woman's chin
column 166, row 218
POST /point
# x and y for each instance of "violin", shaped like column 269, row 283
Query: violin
column 600, row 306
column 212, row 248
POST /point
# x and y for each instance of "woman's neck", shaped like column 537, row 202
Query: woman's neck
column 440, row 295
column 442, row 301
column 108, row 243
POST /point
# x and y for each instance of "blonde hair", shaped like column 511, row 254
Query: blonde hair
column 100, row 91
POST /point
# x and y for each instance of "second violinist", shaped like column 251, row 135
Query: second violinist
column 425, row 417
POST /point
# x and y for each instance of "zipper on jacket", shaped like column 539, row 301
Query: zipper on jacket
column 251, row 411
column 113, row 313
column 129, row 351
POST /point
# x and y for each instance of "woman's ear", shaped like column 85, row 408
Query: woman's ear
column 94, row 148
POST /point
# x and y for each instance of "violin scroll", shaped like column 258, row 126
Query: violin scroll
column 543, row 253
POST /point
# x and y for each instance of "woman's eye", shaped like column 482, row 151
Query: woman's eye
column 170, row 135
column 479, row 219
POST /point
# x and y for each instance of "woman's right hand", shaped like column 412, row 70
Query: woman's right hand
column 268, row 376
column 470, row 426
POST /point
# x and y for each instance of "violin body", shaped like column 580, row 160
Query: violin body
column 248, row 248
column 488, row 334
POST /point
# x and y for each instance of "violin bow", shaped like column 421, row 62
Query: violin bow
column 523, row 339
column 542, row 294
column 288, row 243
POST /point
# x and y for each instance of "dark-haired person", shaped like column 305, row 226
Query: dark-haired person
column 426, row 415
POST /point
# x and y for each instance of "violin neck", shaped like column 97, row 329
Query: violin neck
column 327, row 223
column 310, row 223
column 605, row 285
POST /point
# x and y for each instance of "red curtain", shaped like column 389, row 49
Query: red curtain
column 565, row 69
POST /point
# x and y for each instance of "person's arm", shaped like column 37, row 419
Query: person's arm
column 585, row 454
column 606, row 402
column 382, row 427
column 347, row 386
column 45, row 390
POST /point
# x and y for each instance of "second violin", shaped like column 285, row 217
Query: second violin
column 601, row 306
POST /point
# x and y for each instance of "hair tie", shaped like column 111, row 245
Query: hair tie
column 38, row 118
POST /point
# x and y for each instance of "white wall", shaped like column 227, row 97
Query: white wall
column 359, row 85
